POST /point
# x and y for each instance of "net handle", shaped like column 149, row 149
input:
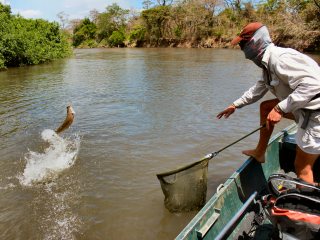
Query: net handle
column 208, row 156
column 217, row 152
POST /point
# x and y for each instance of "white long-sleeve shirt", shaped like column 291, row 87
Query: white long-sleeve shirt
column 291, row 76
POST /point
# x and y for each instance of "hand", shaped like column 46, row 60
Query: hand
column 227, row 112
column 273, row 118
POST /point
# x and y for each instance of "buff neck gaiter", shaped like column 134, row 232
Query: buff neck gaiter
column 257, row 45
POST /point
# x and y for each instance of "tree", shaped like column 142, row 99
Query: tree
column 117, row 39
column 94, row 15
column 112, row 20
column 211, row 5
column 84, row 32
column 5, row 9
column 5, row 18
column 235, row 5
column 28, row 42
column 137, row 34
column 146, row 4
column 155, row 20
column 63, row 17
column 164, row 2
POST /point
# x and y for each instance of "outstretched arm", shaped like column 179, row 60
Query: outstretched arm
column 252, row 95
column 227, row 112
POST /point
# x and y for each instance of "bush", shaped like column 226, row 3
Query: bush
column 2, row 62
column 28, row 42
column 116, row 39
column 137, row 33
column 91, row 43
column 84, row 32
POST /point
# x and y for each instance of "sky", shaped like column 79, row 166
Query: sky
column 74, row 9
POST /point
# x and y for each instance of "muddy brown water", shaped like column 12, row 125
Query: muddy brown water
column 139, row 112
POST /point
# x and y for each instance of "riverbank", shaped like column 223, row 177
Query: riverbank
column 305, row 42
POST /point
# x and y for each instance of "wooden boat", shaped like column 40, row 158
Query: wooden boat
column 232, row 211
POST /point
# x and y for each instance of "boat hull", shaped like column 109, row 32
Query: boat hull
column 235, row 193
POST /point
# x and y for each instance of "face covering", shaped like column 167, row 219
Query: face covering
column 257, row 45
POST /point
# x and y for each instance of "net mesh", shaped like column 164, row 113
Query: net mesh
column 185, row 190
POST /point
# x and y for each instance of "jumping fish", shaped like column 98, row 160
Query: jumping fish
column 68, row 120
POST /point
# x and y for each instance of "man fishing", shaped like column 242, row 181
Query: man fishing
column 294, row 79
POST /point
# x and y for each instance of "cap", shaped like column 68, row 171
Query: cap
column 247, row 32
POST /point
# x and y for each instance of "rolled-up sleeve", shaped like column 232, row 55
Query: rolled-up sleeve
column 254, row 93
column 303, row 77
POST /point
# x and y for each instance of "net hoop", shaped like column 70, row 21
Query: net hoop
column 165, row 174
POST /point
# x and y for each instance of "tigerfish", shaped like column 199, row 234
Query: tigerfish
column 67, row 121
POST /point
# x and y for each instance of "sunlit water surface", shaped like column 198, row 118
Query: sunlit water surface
column 139, row 112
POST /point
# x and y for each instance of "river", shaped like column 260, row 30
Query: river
column 139, row 112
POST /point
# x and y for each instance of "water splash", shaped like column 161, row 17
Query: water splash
column 45, row 166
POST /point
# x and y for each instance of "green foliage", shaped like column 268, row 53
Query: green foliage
column 218, row 32
column 27, row 42
column 85, row 31
column 311, row 15
column 292, row 23
column 113, row 19
column 137, row 33
column 2, row 62
column 228, row 14
column 197, row 21
column 90, row 43
column 178, row 32
column 5, row 9
column 155, row 20
column 116, row 39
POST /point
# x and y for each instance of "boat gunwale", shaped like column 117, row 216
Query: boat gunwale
column 209, row 206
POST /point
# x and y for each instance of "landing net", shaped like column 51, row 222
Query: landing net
column 185, row 189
